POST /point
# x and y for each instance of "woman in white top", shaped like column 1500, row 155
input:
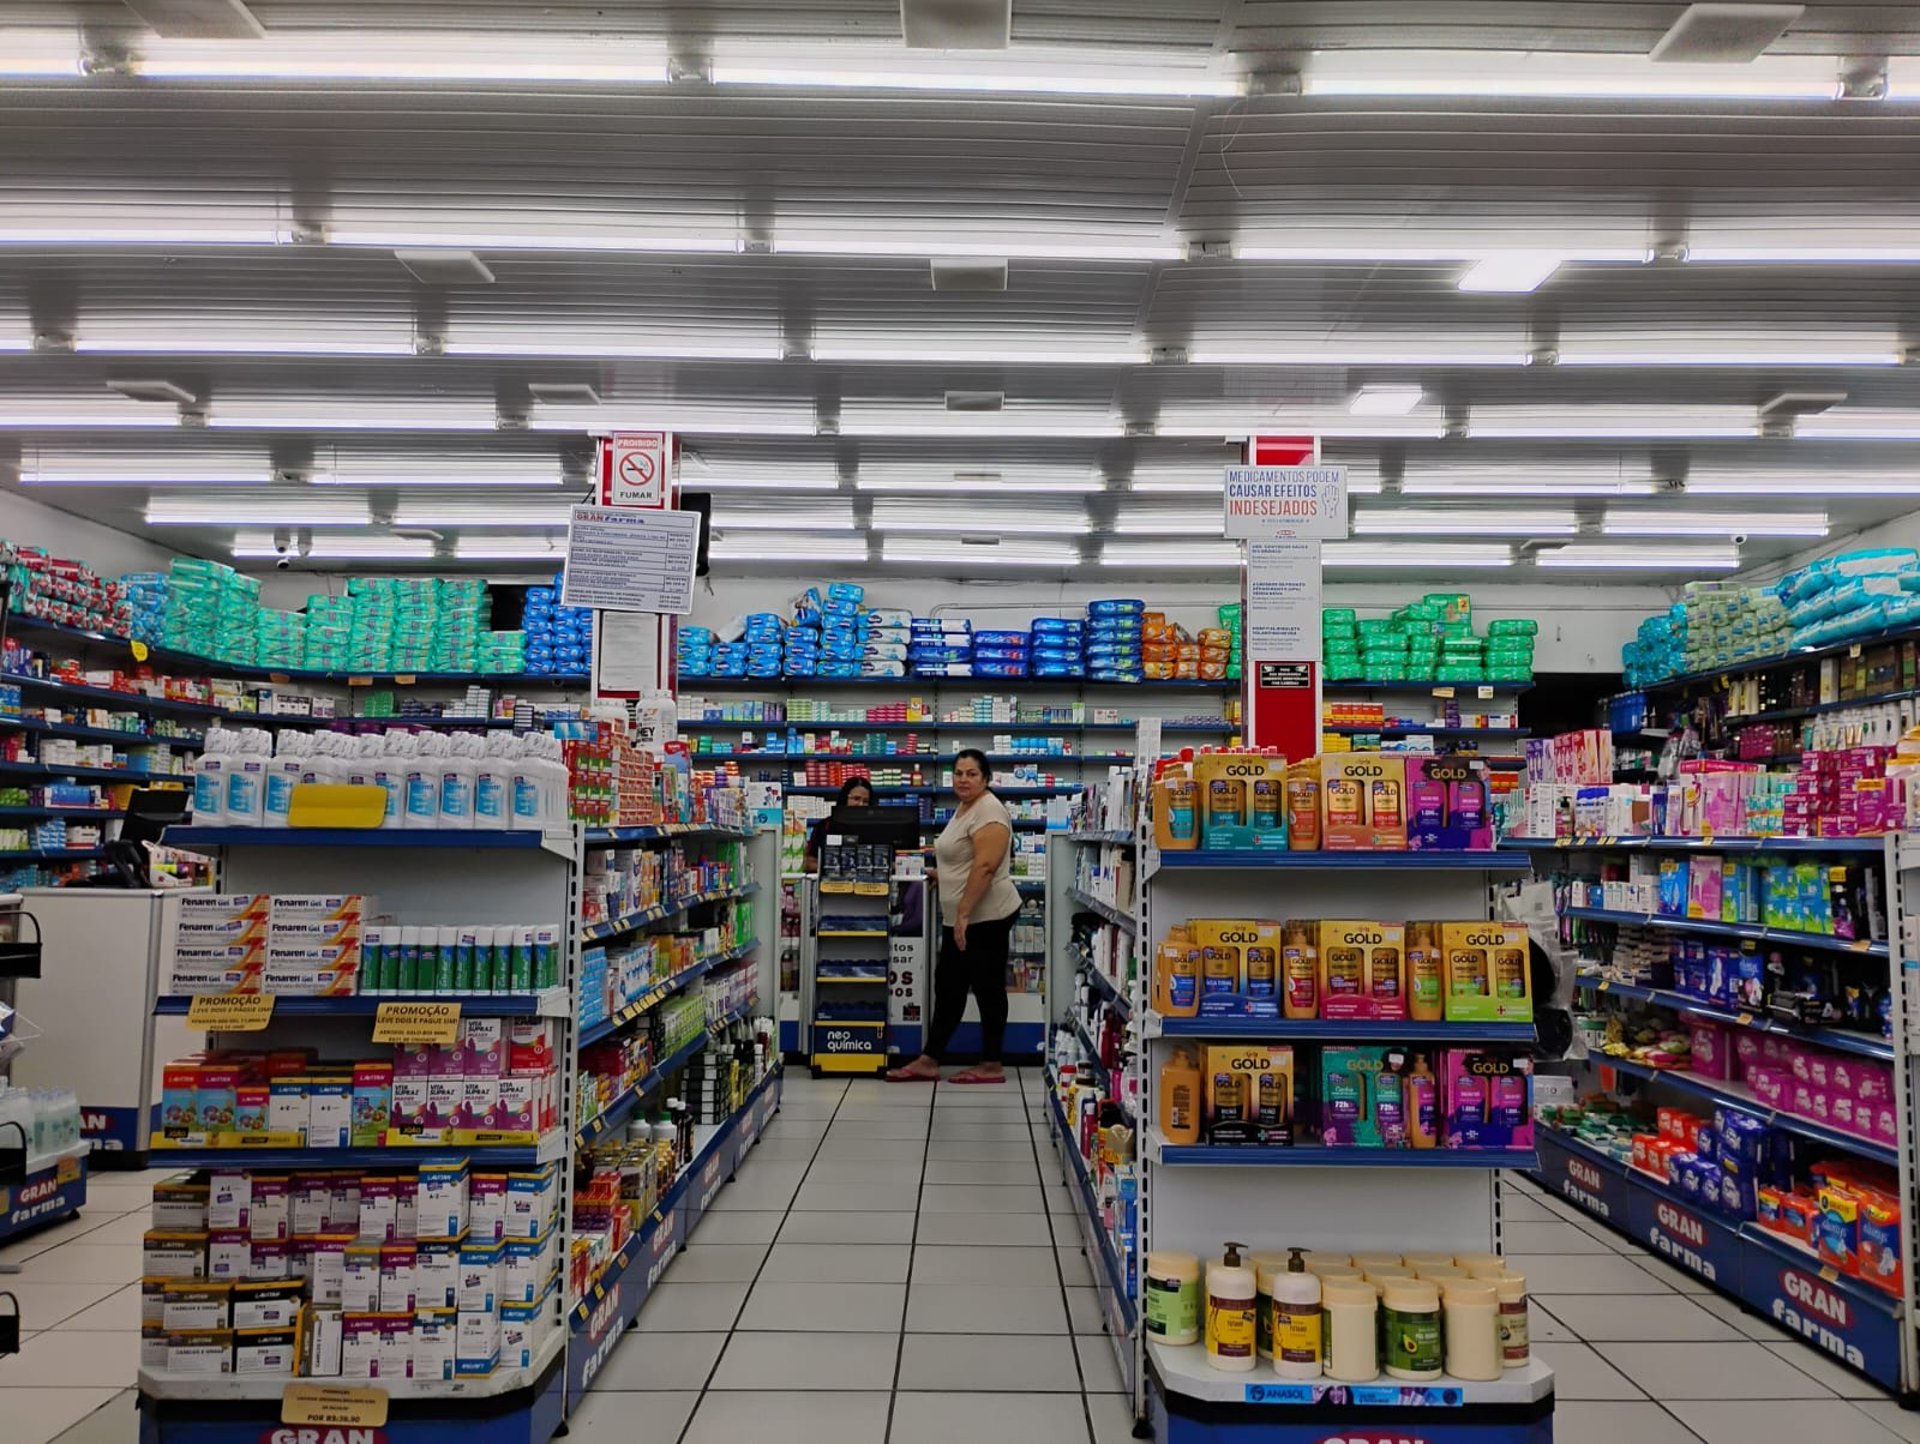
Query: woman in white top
column 978, row 905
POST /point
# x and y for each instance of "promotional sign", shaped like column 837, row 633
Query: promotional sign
column 637, row 467
column 1813, row 1304
column 1280, row 592
column 1297, row 501
column 230, row 1012
column 624, row 560
column 1600, row 1189
column 1283, row 450
column 1690, row 1238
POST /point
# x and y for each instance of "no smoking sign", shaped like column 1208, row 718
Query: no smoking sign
column 637, row 470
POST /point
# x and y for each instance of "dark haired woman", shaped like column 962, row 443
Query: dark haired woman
column 854, row 792
column 978, row 906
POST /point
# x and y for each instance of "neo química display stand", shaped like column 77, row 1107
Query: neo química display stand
column 1192, row 1198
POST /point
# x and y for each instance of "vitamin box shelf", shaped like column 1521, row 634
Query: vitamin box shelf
column 270, row 1387
column 622, row 1108
column 1813, row 845
column 462, row 838
column 1322, row 1030
column 657, row 994
column 612, row 836
column 1088, row 903
column 1185, row 1371
column 633, row 922
column 1841, row 1040
column 1432, row 861
column 1736, row 1096
column 551, row 1148
column 1167, row 1155
column 1110, row 1278
column 1820, row 942
column 550, row 1003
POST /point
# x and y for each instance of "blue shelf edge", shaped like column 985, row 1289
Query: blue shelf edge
column 1110, row 990
column 659, row 993
column 551, row 1150
column 610, row 836
column 1108, row 1259
column 633, row 922
column 1695, row 844
column 622, row 1108
column 1753, row 932
column 1173, row 1155
column 475, row 839
column 366, row 1005
column 1347, row 1031
column 1841, row 1040
column 1725, row 1094
column 1489, row 861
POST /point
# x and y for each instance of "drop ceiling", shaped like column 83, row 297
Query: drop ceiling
column 1243, row 230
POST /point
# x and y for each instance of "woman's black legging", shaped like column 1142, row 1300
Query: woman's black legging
column 980, row 970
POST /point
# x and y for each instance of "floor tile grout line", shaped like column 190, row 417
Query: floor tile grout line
column 913, row 1248
column 1073, row 1339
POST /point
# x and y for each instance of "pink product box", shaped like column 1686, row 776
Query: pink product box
column 483, row 1047
column 479, row 1103
column 410, row 1103
column 1885, row 1125
column 1874, row 1084
column 1771, row 1086
column 444, row 1099
column 1712, row 1057
column 518, row 1109
column 413, row 1060
column 1746, row 1056
column 448, row 1061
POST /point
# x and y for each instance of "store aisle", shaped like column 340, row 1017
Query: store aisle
column 898, row 1265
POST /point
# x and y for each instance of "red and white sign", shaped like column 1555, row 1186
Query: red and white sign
column 638, row 467
column 1282, row 450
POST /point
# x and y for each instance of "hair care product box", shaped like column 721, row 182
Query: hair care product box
column 1489, row 973
column 1249, row 1094
column 1362, row 1098
column 1362, row 970
column 1363, row 802
column 1242, row 798
column 1449, row 803
column 1487, row 1099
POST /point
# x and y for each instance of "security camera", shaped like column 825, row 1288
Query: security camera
column 1739, row 538
column 282, row 561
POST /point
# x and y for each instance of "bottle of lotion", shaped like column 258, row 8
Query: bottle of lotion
column 1180, row 1098
column 1422, row 1105
column 1232, row 1298
column 1296, row 1320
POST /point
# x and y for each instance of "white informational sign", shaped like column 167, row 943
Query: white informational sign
column 1283, row 599
column 1298, row 501
column 624, row 560
column 628, row 646
column 637, row 475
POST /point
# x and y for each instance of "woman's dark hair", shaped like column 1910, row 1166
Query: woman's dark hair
column 846, row 788
column 978, row 758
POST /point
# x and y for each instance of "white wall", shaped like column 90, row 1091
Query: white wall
column 1902, row 531
column 1581, row 627
column 109, row 552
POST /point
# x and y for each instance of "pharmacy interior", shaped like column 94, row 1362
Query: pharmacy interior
column 526, row 533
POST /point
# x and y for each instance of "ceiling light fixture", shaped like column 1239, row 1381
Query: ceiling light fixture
column 782, row 481
column 261, row 546
column 1864, row 356
column 1543, row 484
column 1602, row 557
column 1437, row 555
column 274, row 345
column 1135, row 522
column 1797, row 255
column 1025, row 71
column 40, row 52
column 144, row 418
column 1012, row 352
column 981, row 483
column 1860, row 424
column 1394, row 521
column 480, row 514
column 1804, row 488
column 1452, row 252
column 906, row 516
column 544, row 240
column 295, row 510
column 405, row 56
column 1181, row 556
column 965, row 555
column 1543, row 75
column 789, row 519
column 1511, row 272
column 1603, row 423
column 1359, row 356
column 999, row 425
column 1007, row 248
column 818, row 549
column 663, row 350
column 1385, row 400
column 509, row 548
column 1722, row 524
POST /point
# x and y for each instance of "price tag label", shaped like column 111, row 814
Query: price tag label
column 1443, row 692
column 1745, row 1020
column 334, row 1404
column 416, row 1023
column 230, row 1012
column 1860, row 945
column 359, row 681
column 1605, row 984
column 1854, row 650
column 1485, row 692
column 1829, row 1273
column 406, row 680
column 140, row 652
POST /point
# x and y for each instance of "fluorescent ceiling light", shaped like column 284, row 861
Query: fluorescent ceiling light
column 998, row 424
column 404, row 56
column 964, row 483
column 1011, row 248
column 1607, row 422
column 818, row 549
column 261, row 546
column 1021, row 70
column 353, row 416
column 39, row 52
column 1804, row 488
column 598, row 420
column 1860, row 424
column 143, row 474
column 1757, row 356
column 1385, row 400
column 1170, row 523
column 1532, row 482
column 1876, row 255
column 944, row 551
column 1677, row 558
column 1903, row 77
column 1511, row 271
column 782, row 481
column 456, row 514
column 1543, row 75
column 1234, row 427
column 1359, row 356
column 1182, row 556
column 508, row 548
column 1013, row 352
column 144, row 417
column 451, row 478
column 285, row 344
column 297, row 509
column 791, row 519
column 1702, row 523
column 264, row 234
column 894, row 516
column 542, row 240
column 1394, row 521
column 1436, row 555
column 1450, row 252
column 665, row 350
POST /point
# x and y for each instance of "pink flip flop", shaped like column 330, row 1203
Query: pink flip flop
column 967, row 1075
column 905, row 1075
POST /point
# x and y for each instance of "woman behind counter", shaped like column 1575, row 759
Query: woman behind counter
column 978, row 905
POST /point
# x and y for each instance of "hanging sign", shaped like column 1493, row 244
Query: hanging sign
column 637, row 468
column 621, row 559
column 1297, row 501
column 1281, row 645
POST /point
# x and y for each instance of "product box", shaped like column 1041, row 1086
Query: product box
column 531, row 1202
column 1242, row 798
column 229, row 1255
column 476, row 1350
column 264, row 1352
column 174, row 1255
column 217, row 968
column 397, row 1278
column 443, row 1200
column 487, row 1207
column 434, row 1343
column 1362, row 802
column 326, row 1258
column 480, row 1265
column 360, row 1278
column 1487, row 1099
column 1363, row 1098
column 1239, row 960
column 436, row 1273
column 330, row 1110
column 320, row 1342
column 379, row 1209
column 180, row 1205
column 372, row 1104
column 1362, row 970
column 1489, row 973
column 200, row 1353
column 319, row 907
column 360, row 1346
column 1449, row 804
column 1248, row 1095
column 266, row 1303
column 195, row 1305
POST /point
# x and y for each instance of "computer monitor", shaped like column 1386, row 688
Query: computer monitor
column 897, row 826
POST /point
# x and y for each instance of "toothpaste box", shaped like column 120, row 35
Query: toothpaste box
column 320, row 907
column 217, row 968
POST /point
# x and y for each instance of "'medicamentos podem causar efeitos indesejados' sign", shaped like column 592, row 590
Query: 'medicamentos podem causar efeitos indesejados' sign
column 1309, row 502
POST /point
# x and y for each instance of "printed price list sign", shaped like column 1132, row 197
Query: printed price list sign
column 624, row 560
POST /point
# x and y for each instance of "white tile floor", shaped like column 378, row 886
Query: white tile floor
column 899, row 1264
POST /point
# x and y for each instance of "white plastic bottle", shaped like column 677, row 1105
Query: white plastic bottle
column 421, row 769
column 246, row 779
column 493, row 783
column 285, row 771
column 210, row 778
column 1297, row 1320
column 524, row 789
column 384, row 768
column 456, row 784
column 553, row 781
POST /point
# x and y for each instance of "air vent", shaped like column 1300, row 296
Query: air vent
column 564, row 393
column 197, row 19
column 152, row 391
column 956, row 24
column 1725, row 34
column 446, row 268
column 976, row 400
column 969, row 273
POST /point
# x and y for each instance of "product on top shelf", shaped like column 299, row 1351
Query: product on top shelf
column 1431, row 639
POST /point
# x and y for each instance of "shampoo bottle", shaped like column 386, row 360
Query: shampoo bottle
column 1422, row 1106
column 1180, row 1098
column 1300, row 970
column 1426, row 997
column 1232, row 1298
column 1176, row 976
column 1296, row 1321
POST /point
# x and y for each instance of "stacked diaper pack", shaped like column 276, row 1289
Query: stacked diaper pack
column 556, row 639
column 1057, row 647
column 940, row 646
column 1114, row 640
